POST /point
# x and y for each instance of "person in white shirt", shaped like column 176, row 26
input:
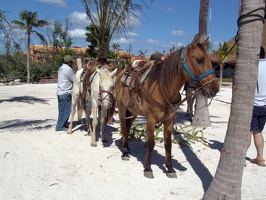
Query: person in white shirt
column 259, row 112
column 64, row 88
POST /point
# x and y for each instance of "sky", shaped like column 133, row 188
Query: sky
column 165, row 23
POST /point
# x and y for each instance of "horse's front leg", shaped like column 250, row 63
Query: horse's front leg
column 94, row 124
column 87, row 110
column 168, row 128
column 126, row 121
column 149, row 146
column 102, row 124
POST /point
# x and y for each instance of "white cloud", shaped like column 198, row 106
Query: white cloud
column 79, row 19
column 152, row 41
column 78, row 33
column 179, row 33
column 122, row 40
column 134, row 21
column 58, row 2
column 19, row 34
column 177, row 45
column 169, row 9
column 132, row 34
column 216, row 43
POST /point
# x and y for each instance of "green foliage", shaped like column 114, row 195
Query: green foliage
column 112, row 55
column 111, row 17
column 227, row 80
column 224, row 50
column 138, row 132
column 29, row 21
column 187, row 133
column 13, row 67
column 61, row 37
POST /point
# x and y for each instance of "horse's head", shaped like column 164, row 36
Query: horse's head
column 106, row 86
column 198, row 66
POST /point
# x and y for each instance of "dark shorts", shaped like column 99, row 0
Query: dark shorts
column 258, row 118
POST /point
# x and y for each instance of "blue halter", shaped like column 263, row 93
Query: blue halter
column 194, row 79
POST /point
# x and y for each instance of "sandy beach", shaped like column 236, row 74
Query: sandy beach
column 38, row 163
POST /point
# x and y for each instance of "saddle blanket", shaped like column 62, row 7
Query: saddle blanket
column 142, row 67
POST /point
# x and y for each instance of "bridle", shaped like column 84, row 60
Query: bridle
column 193, row 78
column 105, row 97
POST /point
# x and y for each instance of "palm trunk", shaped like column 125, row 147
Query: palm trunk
column 28, row 59
column 221, row 76
column 227, row 181
column 201, row 116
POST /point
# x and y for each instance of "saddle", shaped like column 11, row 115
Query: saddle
column 134, row 77
column 88, row 70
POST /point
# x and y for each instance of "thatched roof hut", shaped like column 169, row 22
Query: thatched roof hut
column 231, row 58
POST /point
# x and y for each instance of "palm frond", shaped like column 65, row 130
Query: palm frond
column 40, row 36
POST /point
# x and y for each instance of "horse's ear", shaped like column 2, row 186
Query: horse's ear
column 114, row 72
column 195, row 41
column 205, row 42
column 98, row 71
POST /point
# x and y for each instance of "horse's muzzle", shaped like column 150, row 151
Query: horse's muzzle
column 106, row 104
column 212, row 92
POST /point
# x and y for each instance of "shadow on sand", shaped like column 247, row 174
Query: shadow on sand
column 138, row 150
column 26, row 99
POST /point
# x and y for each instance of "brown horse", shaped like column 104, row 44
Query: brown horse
column 155, row 94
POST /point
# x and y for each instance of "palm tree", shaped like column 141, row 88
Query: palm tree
column 3, row 22
column 116, row 48
column 227, row 181
column 222, row 54
column 201, row 116
column 142, row 53
column 108, row 17
column 29, row 20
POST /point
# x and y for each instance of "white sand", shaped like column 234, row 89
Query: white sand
column 38, row 163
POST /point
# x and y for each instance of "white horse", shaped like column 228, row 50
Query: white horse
column 98, row 99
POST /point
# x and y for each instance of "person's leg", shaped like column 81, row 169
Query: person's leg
column 63, row 111
column 67, row 109
column 257, row 125
column 259, row 144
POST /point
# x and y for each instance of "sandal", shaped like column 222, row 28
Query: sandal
column 258, row 162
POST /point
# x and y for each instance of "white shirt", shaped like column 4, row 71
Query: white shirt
column 260, row 94
column 65, row 79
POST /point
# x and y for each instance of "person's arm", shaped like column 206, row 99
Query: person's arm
column 70, row 75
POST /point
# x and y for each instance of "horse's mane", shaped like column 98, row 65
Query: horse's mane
column 166, row 71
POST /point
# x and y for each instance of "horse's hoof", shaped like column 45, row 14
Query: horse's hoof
column 125, row 157
column 94, row 144
column 69, row 132
column 149, row 174
column 104, row 141
column 171, row 175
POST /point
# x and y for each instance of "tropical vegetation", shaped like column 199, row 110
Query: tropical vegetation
column 29, row 22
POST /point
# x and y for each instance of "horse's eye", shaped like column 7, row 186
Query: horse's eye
column 199, row 60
